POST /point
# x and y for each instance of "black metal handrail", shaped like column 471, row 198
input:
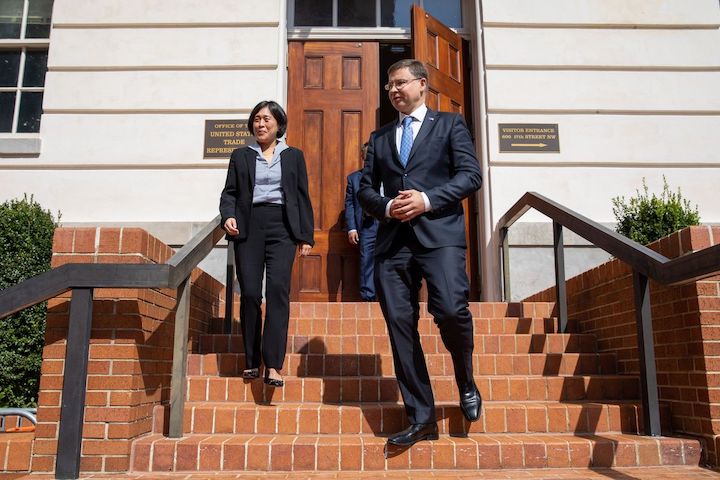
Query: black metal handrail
column 82, row 279
column 645, row 263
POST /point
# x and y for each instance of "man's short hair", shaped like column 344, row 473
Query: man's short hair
column 416, row 67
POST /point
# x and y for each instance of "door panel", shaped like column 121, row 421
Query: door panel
column 441, row 50
column 332, row 104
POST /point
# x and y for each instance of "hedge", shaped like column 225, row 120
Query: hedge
column 26, row 236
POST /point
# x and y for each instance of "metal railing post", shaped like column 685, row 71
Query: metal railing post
column 646, row 351
column 72, row 409
column 505, row 245
column 179, row 367
column 229, row 287
column 560, row 292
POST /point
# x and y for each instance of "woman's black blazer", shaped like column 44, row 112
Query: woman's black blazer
column 236, row 197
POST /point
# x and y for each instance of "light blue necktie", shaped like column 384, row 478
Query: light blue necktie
column 406, row 140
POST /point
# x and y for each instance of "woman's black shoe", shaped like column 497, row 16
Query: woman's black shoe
column 251, row 373
column 273, row 382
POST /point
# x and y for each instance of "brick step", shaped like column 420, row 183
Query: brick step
column 510, row 343
column 671, row 472
column 363, row 309
column 368, row 364
column 376, row 325
column 372, row 309
column 385, row 389
column 313, row 327
column 15, row 451
column 232, row 452
column 387, row 418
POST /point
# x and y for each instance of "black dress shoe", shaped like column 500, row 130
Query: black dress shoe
column 470, row 403
column 416, row 433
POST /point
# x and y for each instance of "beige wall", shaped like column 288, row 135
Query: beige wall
column 632, row 86
column 129, row 86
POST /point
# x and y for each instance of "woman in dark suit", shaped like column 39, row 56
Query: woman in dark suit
column 265, row 206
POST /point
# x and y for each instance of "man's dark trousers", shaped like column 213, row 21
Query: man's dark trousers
column 398, row 276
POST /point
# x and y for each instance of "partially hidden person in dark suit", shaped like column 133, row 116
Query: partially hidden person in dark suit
column 426, row 162
column 265, row 207
column 361, row 229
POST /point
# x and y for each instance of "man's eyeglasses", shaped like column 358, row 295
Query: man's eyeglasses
column 399, row 84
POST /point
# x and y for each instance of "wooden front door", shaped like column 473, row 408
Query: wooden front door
column 332, row 103
column 441, row 49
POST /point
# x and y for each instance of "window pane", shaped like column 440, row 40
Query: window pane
column 7, row 107
column 39, row 13
column 313, row 13
column 448, row 12
column 35, row 68
column 30, row 111
column 395, row 13
column 10, row 18
column 356, row 13
column 9, row 67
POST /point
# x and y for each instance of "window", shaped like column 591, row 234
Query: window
column 370, row 13
column 24, row 40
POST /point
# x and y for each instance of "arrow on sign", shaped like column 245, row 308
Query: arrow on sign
column 529, row 144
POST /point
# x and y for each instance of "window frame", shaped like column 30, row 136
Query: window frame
column 24, row 45
column 378, row 32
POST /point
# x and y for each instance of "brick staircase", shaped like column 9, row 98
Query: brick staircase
column 550, row 401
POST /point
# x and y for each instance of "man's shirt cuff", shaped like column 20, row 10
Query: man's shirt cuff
column 428, row 207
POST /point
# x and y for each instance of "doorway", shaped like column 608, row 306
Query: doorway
column 335, row 100
column 389, row 54
column 332, row 109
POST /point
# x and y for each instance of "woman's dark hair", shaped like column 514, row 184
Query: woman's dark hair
column 276, row 110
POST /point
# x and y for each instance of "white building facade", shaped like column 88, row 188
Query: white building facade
column 632, row 86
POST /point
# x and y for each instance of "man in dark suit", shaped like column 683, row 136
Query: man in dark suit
column 426, row 162
column 362, row 229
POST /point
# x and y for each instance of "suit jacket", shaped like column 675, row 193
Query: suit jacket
column 442, row 164
column 355, row 218
column 236, row 198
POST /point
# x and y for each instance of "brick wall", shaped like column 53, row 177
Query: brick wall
column 686, row 323
column 130, row 353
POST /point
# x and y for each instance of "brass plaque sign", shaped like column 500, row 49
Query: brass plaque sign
column 529, row 137
column 224, row 136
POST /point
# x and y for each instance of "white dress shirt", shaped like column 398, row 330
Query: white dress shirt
column 418, row 116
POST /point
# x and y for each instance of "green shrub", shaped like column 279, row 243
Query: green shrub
column 26, row 235
column 648, row 218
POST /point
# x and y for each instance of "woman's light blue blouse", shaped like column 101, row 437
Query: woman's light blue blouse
column 267, row 176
